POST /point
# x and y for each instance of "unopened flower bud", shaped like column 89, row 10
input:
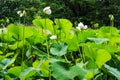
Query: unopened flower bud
column 47, row 10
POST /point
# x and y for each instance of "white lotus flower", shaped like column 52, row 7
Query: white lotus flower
column 53, row 37
column 47, row 10
column 81, row 26
column 21, row 13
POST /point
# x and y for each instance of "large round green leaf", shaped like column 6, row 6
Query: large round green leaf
column 59, row 49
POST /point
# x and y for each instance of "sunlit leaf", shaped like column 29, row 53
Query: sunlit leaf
column 63, row 24
column 102, row 57
column 44, row 23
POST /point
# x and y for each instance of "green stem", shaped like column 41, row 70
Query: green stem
column 23, row 44
column 47, row 46
column 78, row 46
column 83, row 55
column 79, row 50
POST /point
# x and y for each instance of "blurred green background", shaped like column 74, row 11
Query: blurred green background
column 89, row 12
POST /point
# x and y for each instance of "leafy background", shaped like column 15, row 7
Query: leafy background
column 87, row 11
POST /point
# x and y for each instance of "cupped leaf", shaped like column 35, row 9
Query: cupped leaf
column 59, row 49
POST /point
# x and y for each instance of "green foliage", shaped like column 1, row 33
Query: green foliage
column 28, row 52
column 87, row 11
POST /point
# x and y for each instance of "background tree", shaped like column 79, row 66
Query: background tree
column 87, row 11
